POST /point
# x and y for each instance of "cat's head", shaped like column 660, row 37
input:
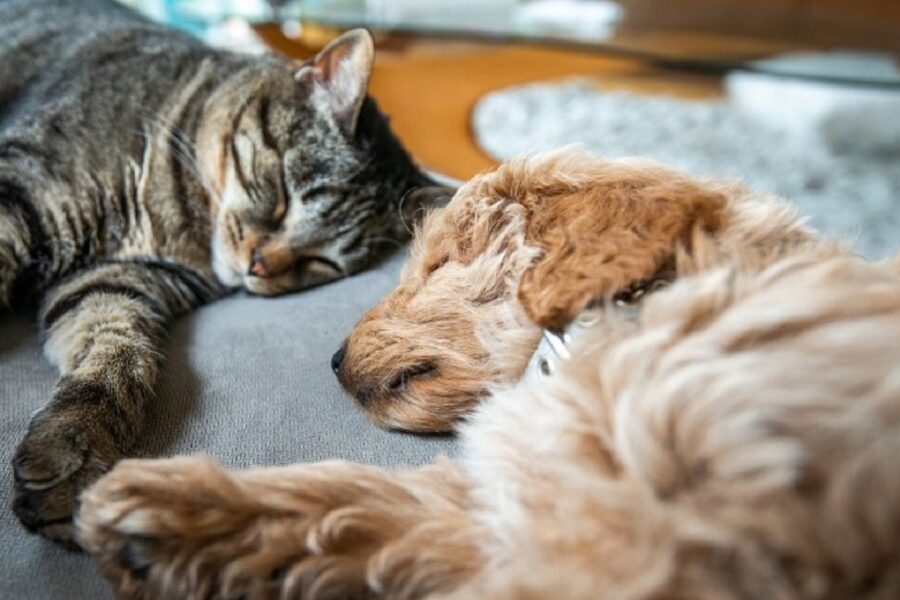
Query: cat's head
column 310, row 183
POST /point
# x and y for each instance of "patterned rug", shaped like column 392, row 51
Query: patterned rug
column 845, row 186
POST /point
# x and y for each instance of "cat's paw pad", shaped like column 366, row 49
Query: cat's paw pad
column 59, row 457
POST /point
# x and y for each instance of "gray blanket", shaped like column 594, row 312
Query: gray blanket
column 247, row 381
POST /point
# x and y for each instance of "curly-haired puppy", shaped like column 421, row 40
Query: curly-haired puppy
column 527, row 247
column 731, row 434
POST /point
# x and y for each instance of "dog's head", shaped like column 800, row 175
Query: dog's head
column 524, row 248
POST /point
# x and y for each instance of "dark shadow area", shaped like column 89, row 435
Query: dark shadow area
column 178, row 389
column 16, row 328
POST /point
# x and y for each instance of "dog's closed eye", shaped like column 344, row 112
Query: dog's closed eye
column 401, row 381
column 635, row 293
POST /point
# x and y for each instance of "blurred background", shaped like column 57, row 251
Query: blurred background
column 800, row 98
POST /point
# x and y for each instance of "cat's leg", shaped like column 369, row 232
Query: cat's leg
column 103, row 327
column 20, row 231
column 186, row 528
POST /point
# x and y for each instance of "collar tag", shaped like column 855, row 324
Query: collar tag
column 558, row 342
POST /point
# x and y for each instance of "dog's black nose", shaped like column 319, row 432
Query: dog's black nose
column 338, row 358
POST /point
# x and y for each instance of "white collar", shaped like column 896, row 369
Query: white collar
column 555, row 345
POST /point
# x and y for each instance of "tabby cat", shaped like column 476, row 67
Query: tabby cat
column 143, row 174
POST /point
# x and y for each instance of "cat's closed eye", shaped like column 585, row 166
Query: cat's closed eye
column 321, row 264
column 316, row 194
column 280, row 210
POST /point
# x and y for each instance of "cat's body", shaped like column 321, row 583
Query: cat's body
column 72, row 132
column 142, row 174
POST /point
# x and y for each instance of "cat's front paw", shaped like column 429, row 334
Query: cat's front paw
column 64, row 451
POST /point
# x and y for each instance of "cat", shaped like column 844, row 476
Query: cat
column 143, row 174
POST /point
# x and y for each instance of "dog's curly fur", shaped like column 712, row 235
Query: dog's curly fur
column 527, row 246
column 736, row 440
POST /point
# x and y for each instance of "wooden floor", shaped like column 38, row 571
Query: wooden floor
column 430, row 92
column 429, row 88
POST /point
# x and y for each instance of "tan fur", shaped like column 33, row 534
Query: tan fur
column 528, row 246
column 737, row 439
column 600, row 231
column 747, row 454
column 330, row 530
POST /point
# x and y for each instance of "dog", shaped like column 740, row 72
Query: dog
column 525, row 249
column 714, row 413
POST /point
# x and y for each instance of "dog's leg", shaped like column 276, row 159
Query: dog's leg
column 186, row 528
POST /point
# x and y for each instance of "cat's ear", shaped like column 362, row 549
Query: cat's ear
column 339, row 76
column 419, row 201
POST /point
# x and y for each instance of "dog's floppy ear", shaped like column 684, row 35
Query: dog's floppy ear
column 596, row 242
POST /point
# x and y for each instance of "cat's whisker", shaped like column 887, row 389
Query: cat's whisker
column 385, row 240
column 177, row 138
column 182, row 149
column 400, row 209
column 184, row 160
column 360, row 170
column 179, row 153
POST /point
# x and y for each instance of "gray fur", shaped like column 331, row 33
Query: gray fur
column 118, row 140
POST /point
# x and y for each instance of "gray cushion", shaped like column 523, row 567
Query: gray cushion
column 247, row 380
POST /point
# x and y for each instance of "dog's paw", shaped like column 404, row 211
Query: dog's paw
column 186, row 528
column 62, row 453
column 168, row 528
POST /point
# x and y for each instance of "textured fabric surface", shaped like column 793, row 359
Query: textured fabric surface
column 848, row 188
column 247, row 380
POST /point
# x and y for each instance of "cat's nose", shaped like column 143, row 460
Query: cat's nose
column 338, row 359
column 270, row 258
column 258, row 266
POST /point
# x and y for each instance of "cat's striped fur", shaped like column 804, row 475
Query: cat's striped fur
column 143, row 174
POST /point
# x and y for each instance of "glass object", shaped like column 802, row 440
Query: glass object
column 841, row 42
